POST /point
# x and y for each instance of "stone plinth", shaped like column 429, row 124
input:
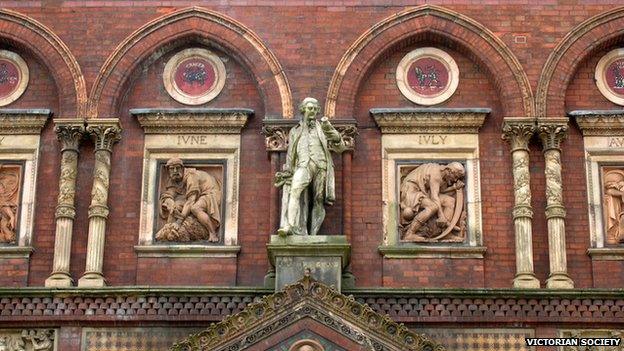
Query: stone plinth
column 325, row 256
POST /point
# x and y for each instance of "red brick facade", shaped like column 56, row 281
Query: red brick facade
column 97, row 59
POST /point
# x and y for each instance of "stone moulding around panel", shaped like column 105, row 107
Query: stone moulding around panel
column 23, row 121
column 599, row 122
column 192, row 120
column 429, row 120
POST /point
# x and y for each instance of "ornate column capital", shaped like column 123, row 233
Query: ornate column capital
column 552, row 132
column 69, row 133
column 518, row 131
column 104, row 132
column 275, row 137
column 348, row 133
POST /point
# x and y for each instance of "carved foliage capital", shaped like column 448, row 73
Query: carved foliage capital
column 348, row 133
column 275, row 137
column 552, row 134
column 104, row 133
column 518, row 133
column 70, row 134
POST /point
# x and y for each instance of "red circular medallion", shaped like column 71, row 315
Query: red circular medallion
column 427, row 76
column 195, row 76
column 9, row 78
column 614, row 75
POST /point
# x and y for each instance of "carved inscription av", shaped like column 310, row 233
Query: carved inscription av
column 432, row 206
column 10, row 180
column 613, row 204
column 616, row 142
column 190, row 202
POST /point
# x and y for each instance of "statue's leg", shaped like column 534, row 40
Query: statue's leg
column 318, row 208
column 448, row 206
column 199, row 211
column 428, row 208
column 300, row 181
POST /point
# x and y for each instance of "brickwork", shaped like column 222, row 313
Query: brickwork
column 304, row 45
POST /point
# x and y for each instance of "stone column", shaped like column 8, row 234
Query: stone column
column 104, row 132
column 348, row 133
column 69, row 133
column 518, row 131
column 276, row 141
column 552, row 131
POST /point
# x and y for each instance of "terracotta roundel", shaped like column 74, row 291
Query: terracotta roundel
column 194, row 76
column 427, row 76
column 13, row 77
column 610, row 76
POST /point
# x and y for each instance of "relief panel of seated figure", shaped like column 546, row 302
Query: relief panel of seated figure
column 613, row 204
column 190, row 202
column 432, row 207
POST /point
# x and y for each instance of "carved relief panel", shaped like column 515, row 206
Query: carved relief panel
column 613, row 203
column 432, row 203
column 27, row 340
column 190, row 201
column 10, row 191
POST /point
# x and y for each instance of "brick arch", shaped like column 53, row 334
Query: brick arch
column 229, row 34
column 508, row 75
column 48, row 48
column 580, row 43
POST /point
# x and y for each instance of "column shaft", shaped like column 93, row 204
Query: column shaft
column 347, row 158
column 274, row 201
column 518, row 131
column 104, row 132
column 70, row 133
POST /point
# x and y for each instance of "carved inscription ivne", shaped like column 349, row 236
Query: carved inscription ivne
column 10, row 184
column 190, row 202
column 432, row 206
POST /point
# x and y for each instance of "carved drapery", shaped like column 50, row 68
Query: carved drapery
column 552, row 132
column 104, row 133
column 518, row 132
column 69, row 133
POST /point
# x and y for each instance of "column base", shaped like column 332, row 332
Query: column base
column 559, row 281
column 59, row 280
column 324, row 257
column 526, row 281
column 91, row 280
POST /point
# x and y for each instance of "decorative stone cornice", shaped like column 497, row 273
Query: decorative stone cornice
column 429, row 120
column 307, row 299
column 69, row 132
column 552, row 132
column 29, row 121
column 105, row 132
column 276, row 132
column 192, row 120
column 599, row 122
column 518, row 131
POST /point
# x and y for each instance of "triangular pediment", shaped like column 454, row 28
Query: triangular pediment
column 307, row 305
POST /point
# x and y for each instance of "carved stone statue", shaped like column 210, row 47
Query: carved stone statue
column 9, row 197
column 614, row 205
column 308, row 175
column 432, row 204
column 190, row 205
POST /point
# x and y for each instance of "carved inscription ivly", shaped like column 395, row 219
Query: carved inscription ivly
column 432, row 139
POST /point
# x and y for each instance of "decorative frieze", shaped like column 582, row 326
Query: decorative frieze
column 70, row 133
column 552, row 132
column 192, row 120
column 276, row 132
column 600, row 122
column 27, row 339
column 518, row 131
column 429, row 120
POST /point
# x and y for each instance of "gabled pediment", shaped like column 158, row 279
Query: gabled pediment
column 311, row 306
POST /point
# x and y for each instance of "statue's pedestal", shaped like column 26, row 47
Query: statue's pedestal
column 325, row 256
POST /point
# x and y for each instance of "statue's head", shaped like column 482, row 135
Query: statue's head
column 175, row 166
column 453, row 172
column 309, row 107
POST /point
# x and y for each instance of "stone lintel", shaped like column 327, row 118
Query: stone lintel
column 16, row 251
column 192, row 120
column 606, row 253
column 599, row 122
column 429, row 120
column 422, row 251
column 23, row 121
column 186, row 251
